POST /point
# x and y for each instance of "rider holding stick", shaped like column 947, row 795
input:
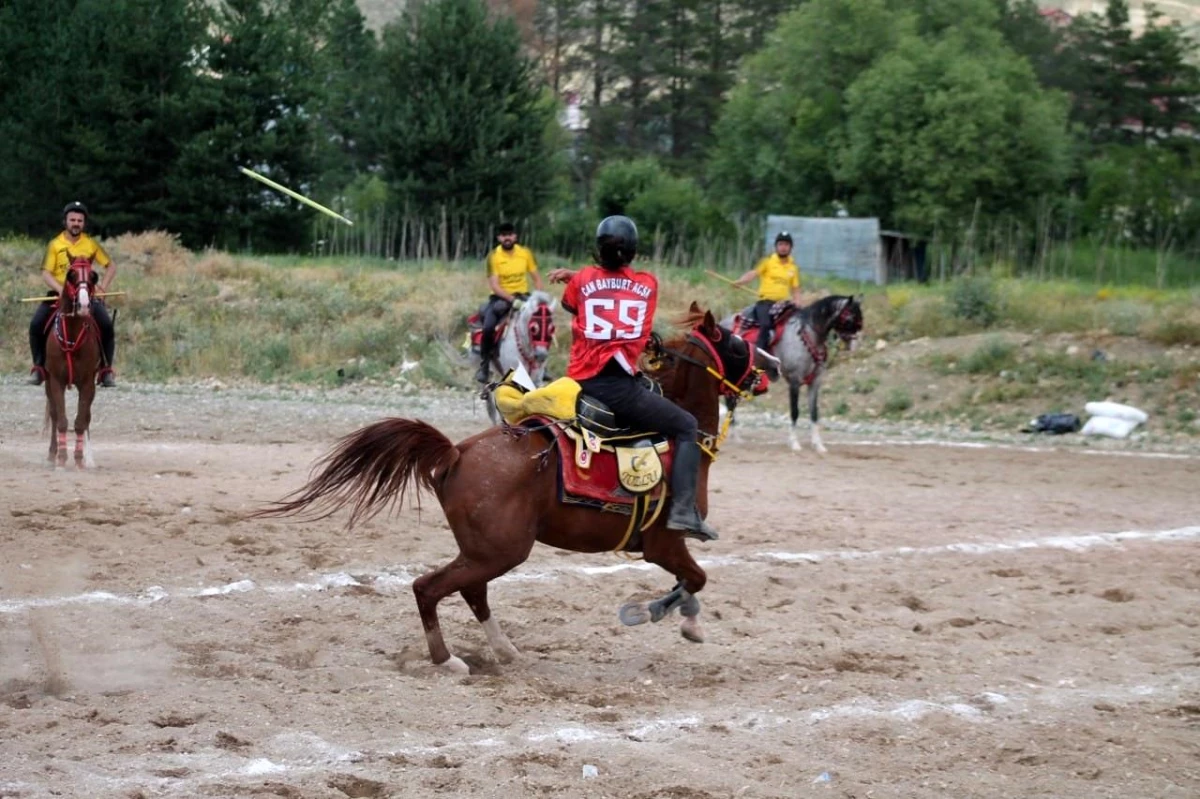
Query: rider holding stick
column 777, row 275
column 70, row 244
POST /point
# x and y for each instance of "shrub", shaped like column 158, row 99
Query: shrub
column 990, row 357
column 974, row 300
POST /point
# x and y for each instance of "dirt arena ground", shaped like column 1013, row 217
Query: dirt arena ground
column 898, row 618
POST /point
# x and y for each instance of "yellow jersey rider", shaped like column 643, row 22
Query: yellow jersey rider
column 509, row 267
column 64, row 248
column 778, row 276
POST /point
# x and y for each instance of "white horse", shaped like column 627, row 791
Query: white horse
column 803, row 353
column 526, row 341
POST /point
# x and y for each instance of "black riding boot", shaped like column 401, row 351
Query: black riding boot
column 685, row 473
column 484, row 374
column 108, row 343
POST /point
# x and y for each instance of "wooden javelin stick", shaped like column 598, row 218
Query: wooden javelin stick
column 250, row 173
column 51, row 299
column 733, row 283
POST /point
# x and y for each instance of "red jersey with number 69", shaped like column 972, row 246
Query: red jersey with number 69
column 614, row 314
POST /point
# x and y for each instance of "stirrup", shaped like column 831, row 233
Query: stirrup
column 37, row 376
column 692, row 525
column 107, row 380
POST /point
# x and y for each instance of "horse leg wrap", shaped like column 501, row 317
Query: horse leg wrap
column 690, row 606
column 659, row 608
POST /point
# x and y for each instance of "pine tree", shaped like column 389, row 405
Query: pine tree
column 464, row 121
column 252, row 108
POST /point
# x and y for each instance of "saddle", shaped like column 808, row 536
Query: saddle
column 602, row 464
column 474, row 338
column 745, row 326
column 475, row 332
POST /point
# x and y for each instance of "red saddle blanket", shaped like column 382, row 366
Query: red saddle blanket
column 475, row 326
column 597, row 485
column 745, row 326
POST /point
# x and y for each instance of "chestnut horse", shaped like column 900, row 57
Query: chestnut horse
column 72, row 359
column 499, row 491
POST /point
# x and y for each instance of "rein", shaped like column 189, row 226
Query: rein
column 710, row 443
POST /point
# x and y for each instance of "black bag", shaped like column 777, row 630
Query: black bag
column 1055, row 424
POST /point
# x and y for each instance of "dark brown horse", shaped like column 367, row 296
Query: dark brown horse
column 500, row 493
column 72, row 359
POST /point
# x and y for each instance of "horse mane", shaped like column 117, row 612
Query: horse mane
column 663, row 369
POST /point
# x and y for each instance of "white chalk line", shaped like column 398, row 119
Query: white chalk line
column 391, row 580
column 297, row 753
column 950, row 444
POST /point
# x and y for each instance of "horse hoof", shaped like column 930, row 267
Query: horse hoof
column 454, row 665
column 634, row 613
column 690, row 629
column 507, row 654
column 796, row 447
column 820, row 449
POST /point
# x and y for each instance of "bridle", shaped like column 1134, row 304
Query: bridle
column 740, row 388
column 540, row 330
column 844, row 324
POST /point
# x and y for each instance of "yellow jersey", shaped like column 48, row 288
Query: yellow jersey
column 513, row 267
column 777, row 277
column 61, row 251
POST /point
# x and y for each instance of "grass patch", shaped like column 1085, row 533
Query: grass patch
column 992, row 357
column 897, row 402
column 864, row 385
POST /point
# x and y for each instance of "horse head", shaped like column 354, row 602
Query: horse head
column 847, row 320
column 78, row 285
column 730, row 360
column 535, row 324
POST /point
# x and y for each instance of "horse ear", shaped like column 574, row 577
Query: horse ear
column 553, row 304
column 709, row 325
column 858, row 299
column 695, row 309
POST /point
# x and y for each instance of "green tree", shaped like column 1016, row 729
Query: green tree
column 465, row 124
column 252, row 107
column 779, row 134
column 95, row 101
column 670, row 210
column 346, row 101
column 936, row 130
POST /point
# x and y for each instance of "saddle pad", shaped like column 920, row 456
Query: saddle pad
column 599, row 483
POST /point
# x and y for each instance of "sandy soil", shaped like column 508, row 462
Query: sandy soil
column 895, row 619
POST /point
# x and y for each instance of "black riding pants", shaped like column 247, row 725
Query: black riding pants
column 37, row 330
column 493, row 314
column 762, row 315
column 637, row 406
column 108, row 338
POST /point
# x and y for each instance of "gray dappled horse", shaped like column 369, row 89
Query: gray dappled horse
column 803, row 351
column 528, row 335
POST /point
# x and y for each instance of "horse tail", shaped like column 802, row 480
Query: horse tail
column 371, row 469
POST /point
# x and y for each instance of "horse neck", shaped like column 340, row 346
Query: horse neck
column 694, row 390
column 819, row 316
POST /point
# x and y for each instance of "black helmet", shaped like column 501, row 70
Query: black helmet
column 616, row 242
column 783, row 236
column 74, row 207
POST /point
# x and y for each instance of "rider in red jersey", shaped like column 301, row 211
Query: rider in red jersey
column 613, row 307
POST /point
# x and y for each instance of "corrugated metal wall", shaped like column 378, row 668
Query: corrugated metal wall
column 844, row 248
